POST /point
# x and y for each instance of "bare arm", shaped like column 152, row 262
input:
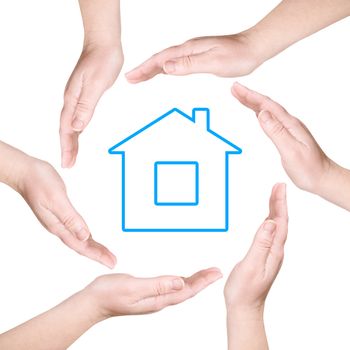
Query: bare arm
column 302, row 158
column 97, row 69
column 241, row 53
column 107, row 296
column 56, row 329
column 246, row 330
column 101, row 20
column 251, row 279
column 294, row 20
column 45, row 192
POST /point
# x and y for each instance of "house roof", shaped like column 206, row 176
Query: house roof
column 236, row 149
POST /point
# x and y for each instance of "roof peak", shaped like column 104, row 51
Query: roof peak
column 192, row 118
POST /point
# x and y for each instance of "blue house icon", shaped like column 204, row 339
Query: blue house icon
column 175, row 175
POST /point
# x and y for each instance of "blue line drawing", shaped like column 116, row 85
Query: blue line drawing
column 171, row 140
column 195, row 201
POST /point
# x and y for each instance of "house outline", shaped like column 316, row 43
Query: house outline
column 236, row 150
column 195, row 202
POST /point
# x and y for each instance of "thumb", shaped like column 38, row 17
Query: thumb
column 200, row 63
column 85, row 106
column 276, row 131
column 151, row 287
column 70, row 218
column 261, row 246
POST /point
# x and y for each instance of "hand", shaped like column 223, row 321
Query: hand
column 44, row 191
column 119, row 294
column 250, row 281
column 225, row 56
column 302, row 158
column 95, row 72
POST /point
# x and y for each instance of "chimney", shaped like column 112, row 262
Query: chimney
column 201, row 117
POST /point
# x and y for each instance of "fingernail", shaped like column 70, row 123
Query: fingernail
column 269, row 226
column 236, row 83
column 77, row 125
column 83, row 234
column 265, row 116
column 110, row 262
column 178, row 284
column 131, row 72
column 169, row 67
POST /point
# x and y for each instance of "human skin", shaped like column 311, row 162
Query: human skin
column 302, row 158
column 107, row 296
column 43, row 189
column 240, row 54
column 97, row 69
column 251, row 279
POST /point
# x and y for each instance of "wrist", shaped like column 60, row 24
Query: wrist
column 24, row 167
column 245, row 314
column 14, row 167
column 112, row 50
column 98, row 299
column 94, row 39
column 256, row 46
column 334, row 185
column 93, row 304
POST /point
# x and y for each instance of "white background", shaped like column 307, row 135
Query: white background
column 308, row 306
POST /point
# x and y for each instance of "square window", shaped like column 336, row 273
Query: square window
column 176, row 183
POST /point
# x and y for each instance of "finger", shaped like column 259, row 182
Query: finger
column 155, row 64
column 201, row 280
column 189, row 64
column 278, row 202
column 279, row 212
column 89, row 248
column 262, row 243
column 68, row 137
column 69, row 148
column 78, row 230
column 258, row 102
column 193, row 285
column 278, row 133
column 152, row 287
column 70, row 218
column 98, row 252
column 85, row 106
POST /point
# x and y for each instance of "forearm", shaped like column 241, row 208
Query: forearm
column 334, row 186
column 55, row 329
column 101, row 19
column 13, row 164
column 293, row 20
column 245, row 330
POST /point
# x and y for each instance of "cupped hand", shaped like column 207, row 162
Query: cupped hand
column 225, row 56
column 44, row 191
column 96, row 71
column 302, row 158
column 251, row 279
column 120, row 294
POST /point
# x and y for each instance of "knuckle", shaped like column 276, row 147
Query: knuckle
column 84, row 106
column 277, row 128
column 70, row 221
column 160, row 288
column 264, row 243
column 187, row 61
